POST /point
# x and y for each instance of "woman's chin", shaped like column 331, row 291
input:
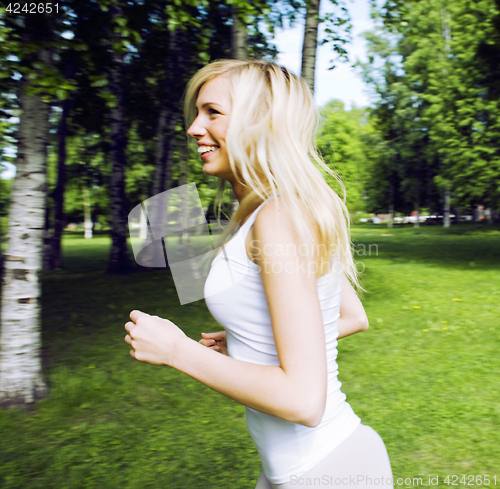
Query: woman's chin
column 207, row 170
column 210, row 169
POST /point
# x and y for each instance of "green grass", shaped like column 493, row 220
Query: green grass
column 111, row 422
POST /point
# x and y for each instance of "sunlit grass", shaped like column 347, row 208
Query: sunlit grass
column 425, row 375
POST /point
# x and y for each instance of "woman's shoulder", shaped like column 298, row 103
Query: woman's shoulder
column 274, row 230
column 275, row 224
column 277, row 215
column 272, row 215
column 272, row 222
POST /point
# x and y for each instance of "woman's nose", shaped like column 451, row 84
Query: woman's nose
column 196, row 130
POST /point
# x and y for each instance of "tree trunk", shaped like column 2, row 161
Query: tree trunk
column 310, row 42
column 446, row 212
column 119, row 261
column 428, row 188
column 1, row 239
column 391, row 215
column 446, row 32
column 165, row 138
column 87, row 225
column 489, row 216
column 239, row 36
column 162, row 179
column 391, row 204
column 47, row 238
column 183, row 177
column 58, row 195
column 168, row 117
column 21, row 379
column 157, row 210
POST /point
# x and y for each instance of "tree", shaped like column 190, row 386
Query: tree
column 444, row 115
column 310, row 43
column 55, row 258
column 239, row 35
column 119, row 261
column 21, row 379
column 337, row 27
column 341, row 142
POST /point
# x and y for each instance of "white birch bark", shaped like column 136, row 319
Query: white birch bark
column 21, row 379
column 239, row 37
column 310, row 44
column 87, row 225
column 446, row 217
column 446, row 30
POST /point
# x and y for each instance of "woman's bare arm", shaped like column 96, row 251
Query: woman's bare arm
column 352, row 313
column 296, row 390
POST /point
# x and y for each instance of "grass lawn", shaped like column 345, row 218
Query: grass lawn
column 425, row 375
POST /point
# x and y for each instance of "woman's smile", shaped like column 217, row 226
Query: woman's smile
column 205, row 154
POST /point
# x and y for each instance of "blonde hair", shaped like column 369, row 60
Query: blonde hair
column 270, row 144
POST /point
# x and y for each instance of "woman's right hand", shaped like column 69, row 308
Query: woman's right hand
column 216, row 341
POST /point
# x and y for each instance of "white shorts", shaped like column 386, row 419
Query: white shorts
column 360, row 461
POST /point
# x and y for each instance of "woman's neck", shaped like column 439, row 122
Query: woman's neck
column 240, row 190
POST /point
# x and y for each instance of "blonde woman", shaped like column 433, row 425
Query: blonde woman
column 291, row 267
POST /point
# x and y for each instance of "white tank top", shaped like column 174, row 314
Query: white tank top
column 235, row 297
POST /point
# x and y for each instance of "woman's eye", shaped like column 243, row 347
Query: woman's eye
column 213, row 111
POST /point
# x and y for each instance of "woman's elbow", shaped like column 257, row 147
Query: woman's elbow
column 363, row 323
column 313, row 422
column 314, row 419
column 313, row 415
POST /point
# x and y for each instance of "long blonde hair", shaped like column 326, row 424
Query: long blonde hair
column 270, row 144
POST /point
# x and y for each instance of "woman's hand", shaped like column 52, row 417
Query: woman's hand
column 215, row 341
column 153, row 339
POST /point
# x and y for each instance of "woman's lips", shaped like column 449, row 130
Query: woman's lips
column 206, row 155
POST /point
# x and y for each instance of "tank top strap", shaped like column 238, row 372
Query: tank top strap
column 245, row 228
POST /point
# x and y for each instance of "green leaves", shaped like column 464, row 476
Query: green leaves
column 340, row 142
column 433, row 112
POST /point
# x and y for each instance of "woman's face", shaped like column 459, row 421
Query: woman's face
column 210, row 126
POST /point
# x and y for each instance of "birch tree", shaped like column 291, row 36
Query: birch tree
column 119, row 260
column 310, row 44
column 21, row 379
column 239, row 36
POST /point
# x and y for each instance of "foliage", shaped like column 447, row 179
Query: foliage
column 341, row 142
column 437, row 111
column 82, row 40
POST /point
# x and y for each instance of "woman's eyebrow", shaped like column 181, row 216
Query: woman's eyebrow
column 209, row 103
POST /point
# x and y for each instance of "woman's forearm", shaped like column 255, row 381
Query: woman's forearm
column 352, row 324
column 262, row 387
